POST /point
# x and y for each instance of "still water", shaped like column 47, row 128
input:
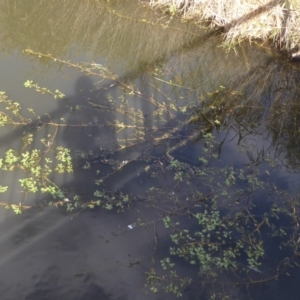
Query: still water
column 141, row 90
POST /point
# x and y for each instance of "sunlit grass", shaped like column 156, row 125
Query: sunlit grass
column 274, row 20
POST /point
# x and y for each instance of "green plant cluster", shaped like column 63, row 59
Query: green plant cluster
column 222, row 228
column 57, row 94
column 37, row 168
column 218, row 217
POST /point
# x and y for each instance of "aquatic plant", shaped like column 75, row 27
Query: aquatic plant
column 224, row 232
column 219, row 217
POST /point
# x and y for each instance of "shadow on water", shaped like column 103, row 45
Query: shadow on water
column 75, row 259
column 103, row 246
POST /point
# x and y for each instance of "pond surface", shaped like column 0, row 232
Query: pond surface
column 131, row 121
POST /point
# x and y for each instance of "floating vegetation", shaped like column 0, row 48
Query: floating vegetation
column 229, row 232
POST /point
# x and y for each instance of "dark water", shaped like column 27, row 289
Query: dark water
column 167, row 84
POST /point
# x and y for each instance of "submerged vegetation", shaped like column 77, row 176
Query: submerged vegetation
column 162, row 127
column 223, row 221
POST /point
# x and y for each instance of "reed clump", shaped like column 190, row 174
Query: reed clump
column 275, row 20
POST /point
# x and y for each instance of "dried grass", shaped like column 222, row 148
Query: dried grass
column 276, row 20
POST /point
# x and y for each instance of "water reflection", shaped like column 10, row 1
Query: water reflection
column 172, row 87
column 97, row 134
column 52, row 248
column 120, row 31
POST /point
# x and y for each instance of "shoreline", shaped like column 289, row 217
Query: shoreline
column 276, row 22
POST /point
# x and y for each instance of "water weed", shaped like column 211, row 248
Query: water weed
column 219, row 217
